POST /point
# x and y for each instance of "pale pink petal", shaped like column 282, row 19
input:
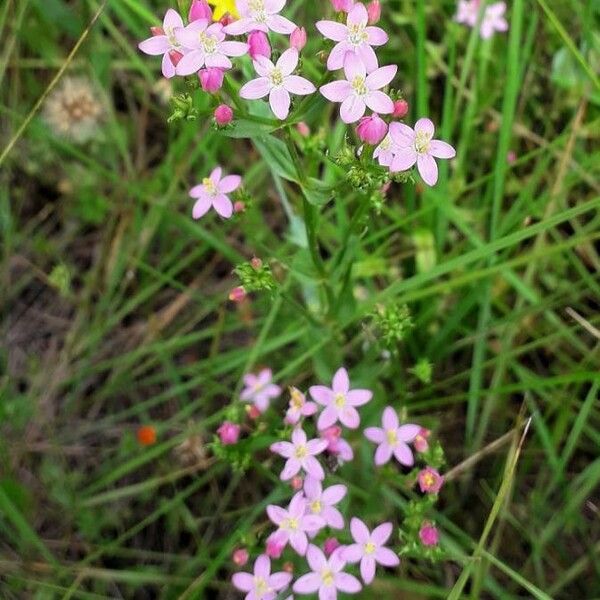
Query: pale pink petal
column 257, row 88
column 375, row 434
column 381, row 77
column 401, row 134
column 377, row 36
column 337, row 55
column 263, row 66
column 350, row 417
column 218, row 61
column 383, row 454
column 367, row 569
column 333, row 494
column 276, row 513
column 403, row 454
column 425, row 126
column 297, row 505
column 341, row 381
column 312, row 488
column 299, row 542
column 191, row 62
column 298, row 437
column 307, row 584
column 315, row 557
column 229, row 184
column 272, row 390
column 298, row 85
column 223, row 205
column 333, row 517
column 359, row 531
column 313, row 523
column 291, row 468
column 280, row 24
column 201, row 207
column 389, row 419
column 323, row 395
column 288, row 61
column 404, row 159
column 279, row 99
column 215, row 177
column 358, row 397
column 379, row 102
column 428, row 169
column 280, row 580
column 284, row 449
column 316, row 446
column 353, row 553
column 243, row 581
column 368, row 56
column 168, row 68
column 346, row 582
column 309, row 409
column 358, row 15
column 352, row 109
column 189, row 36
column 441, row 149
column 381, row 533
column 337, row 561
column 407, row 433
column 336, row 91
column 354, row 66
column 155, row 45
column 243, row 25
column 313, row 467
column 387, row 558
column 274, row 6
column 262, row 566
column 328, row 593
column 327, row 418
column 234, row 48
column 332, row 30
column 172, row 19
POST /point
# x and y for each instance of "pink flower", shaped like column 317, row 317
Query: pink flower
column 360, row 90
column 386, row 151
column 213, row 192
column 355, row 37
column 322, row 502
column 293, row 523
column 229, row 433
column 374, row 11
column 274, row 548
column 258, row 45
column 339, row 401
column 492, row 20
column 207, row 47
column 429, row 535
column 335, row 444
column 418, row 146
column 400, row 109
column 223, row 115
column 199, row 9
column 330, row 545
column 369, row 548
column 430, row 481
column 300, row 454
column 260, row 389
column 372, row 130
column 238, row 294
column 298, row 38
column 262, row 585
column 260, row 15
column 342, row 5
column 299, row 407
column 240, row 557
column 163, row 41
column 211, row 79
column 277, row 82
column 392, row 439
column 327, row 576
column 420, row 443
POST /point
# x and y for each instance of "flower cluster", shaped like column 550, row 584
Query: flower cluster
column 491, row 20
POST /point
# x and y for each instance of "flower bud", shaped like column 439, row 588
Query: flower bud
column 288, row 567
column 400, row 109
column 430, row 481
column 420, row 442
column 342, row 5
column 229, row 433
column 253, row 412
column 511, row 157
column 298, row 38
column 297, row 483
column 223, row 115
column 429, row 534
column 157, row 31
column 237, row 294
column 256, row 263
column 330, row 545
column 175, row 57
column 258, row 43
column 274, row 548
column 303, row 129
column 372, row 129
column 238, row 207
column 226, row 19
column 146, row 435
column 200, row 10
column 374, row 11
column 211, row 79
column 240, row 557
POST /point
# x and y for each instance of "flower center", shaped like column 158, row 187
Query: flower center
column 369, row 548
column 296, row 400
column 316, row 507
column 359, row 86
column 422, row 142
column 340, row 400
column 327, row 577
column 276, row 77
column 260, row 585
column 257, row 9
column 208, row 43
column 290, row 524
column 386, row 144
column 170, row 33
column 357, row 34
column 428, row 479
column 301, row 452
column 392, row 437
column 209, row 186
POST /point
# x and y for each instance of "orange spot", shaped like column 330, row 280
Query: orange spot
column 146, row 435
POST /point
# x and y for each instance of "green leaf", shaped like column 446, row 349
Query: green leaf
column 277, row 157
column 246, row 128
column 317, row 192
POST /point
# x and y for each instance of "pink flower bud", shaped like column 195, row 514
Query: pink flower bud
column 223, row 115
column 256, row 263
column 372, row 129
column 329, row 545
column 429, row 535
column 374, row 11
column 240, row 557
column 258, row 43
column 229, row 433
column 400, row 109
column 297, row 483
column 253, row 412
column 288, row 567
column 211, row 79
column 175, row 57
column 298, row 38
column 274, row 548
column 200, row 10
column 157, row 31
column 430, row 481
column 303, row 129
column 226, row 19
column 238, row 207
column 342, row 5
column 511, row 157
column 420, row 442
column 237, row 294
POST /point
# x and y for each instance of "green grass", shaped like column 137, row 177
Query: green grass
column 506, row 310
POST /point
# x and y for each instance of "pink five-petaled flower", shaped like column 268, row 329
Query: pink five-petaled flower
column 327, row 576
column 386, row 151
column 207, row 46
column 213, row 192
column 356, row 37
column 336, row 445
column 293, row 524
column 369, row 548
column 260, row 15
column 300, row 454
column 392, row 438
column 262, row 585
column 260, row 389
column 339, row 401
column 492, row 19
column 360, row 90
column 299, row 407
column 322, row 502
column 418, row 146
column 165, row 42
column 278, row 82
column 430, row 481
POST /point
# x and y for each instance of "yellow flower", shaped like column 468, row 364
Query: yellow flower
column 222, row 7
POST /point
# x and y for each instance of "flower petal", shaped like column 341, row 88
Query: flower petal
column 428, row 169
column 377, row 36
column 223, row 205
column 288, row 61
column 383, row 454
column 358, row 15
column 316, row 446
column 291, row 468
column 381, row 533
column 313, row 467
column 425, row 126
column 359, row 531
column 299, row 85
column 367, row 569
column 280, row 580
column 201, row 207
column 368, row 56
column 312, row 488
column 404, row 454
column 233, row 48
column 346, row 582
column 375, row 434
column 307, row 584
column 441, row 149
column 333, row 518
column 280, row 24
column 353, row 553
column 327, row 418
column 350, row 417
column 168, row 68
column 389, row 419
column 190, row 63
column 299, row 542
column 354, row 66
column 172, row 19
column 407, row 433
column 403, row 160
column 358, row 397
column 333, row 494
column 262, row 566
column 381, row 77
column 336, row 91
column 243, row 581
column 386, row 557
column 401, row 134
column 335, row 60
column 280, row 101
column 332, row 30
column 352, row 109
column 155, row 46
column 276, row 513
column 341, row 381
column 315, row 557
column 229, row 184
column 379, row 102
column 257, row 88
